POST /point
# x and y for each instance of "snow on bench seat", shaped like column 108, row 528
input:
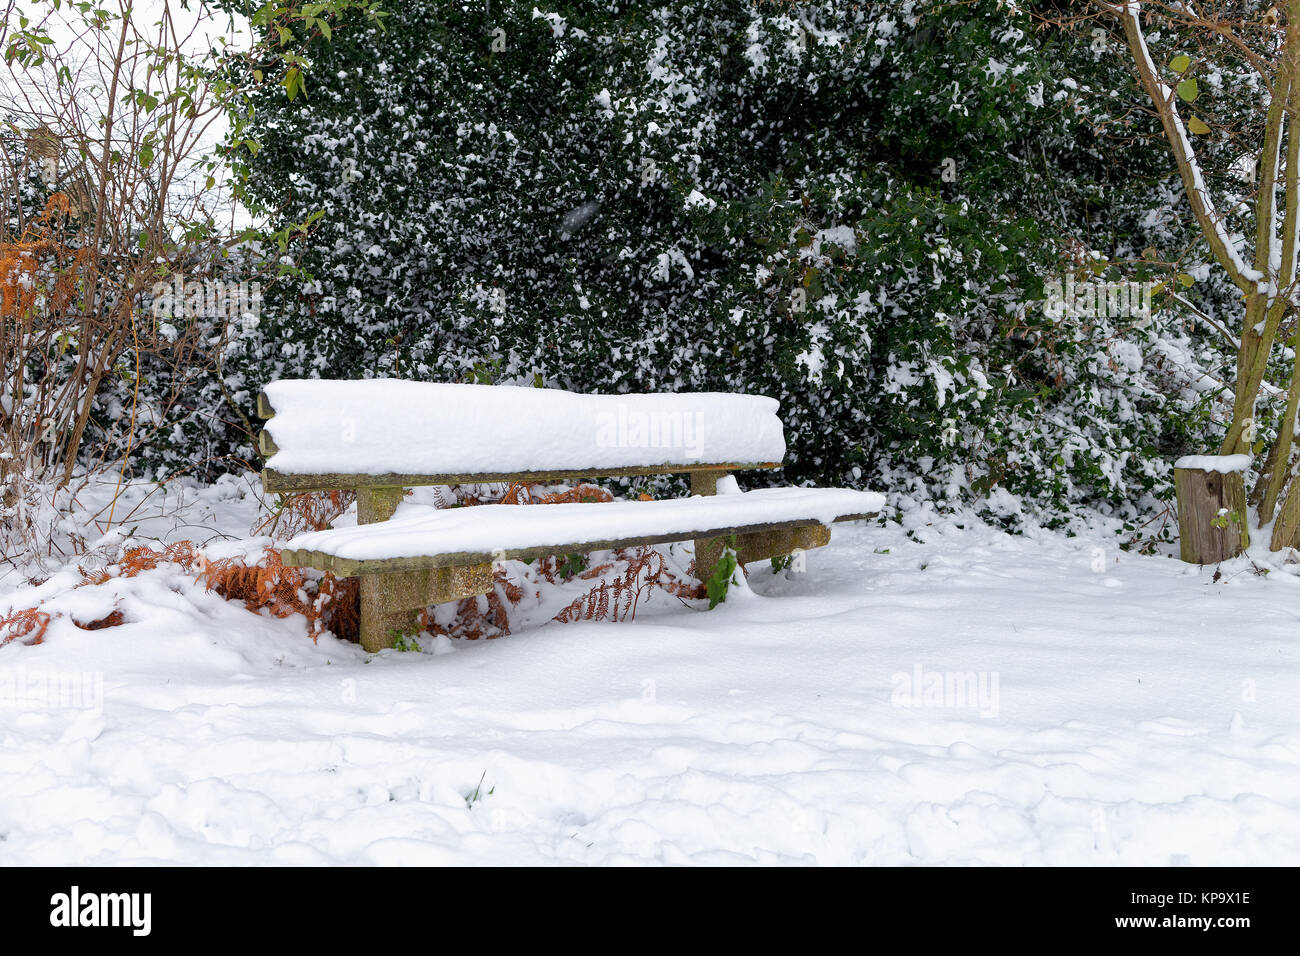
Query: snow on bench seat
column 420, row 536
column 387, row 431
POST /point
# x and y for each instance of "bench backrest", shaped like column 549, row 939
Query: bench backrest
column 372, row 433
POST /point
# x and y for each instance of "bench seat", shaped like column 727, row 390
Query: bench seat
column 378, row 433
column 419, row 537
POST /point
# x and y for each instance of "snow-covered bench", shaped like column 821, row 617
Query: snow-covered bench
column 379, row 437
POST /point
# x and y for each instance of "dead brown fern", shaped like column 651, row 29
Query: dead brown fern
column 112, row 619
column 332, row 603
column 482, row 617
column 620, row 582
column 25, row 625
column 525, row 494
column 308, row 511
column 282, row 591
column 617, row 598
column 266, row 584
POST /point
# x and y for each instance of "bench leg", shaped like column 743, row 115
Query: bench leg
column 382, row 619
column 760, row 545
column 707, row 550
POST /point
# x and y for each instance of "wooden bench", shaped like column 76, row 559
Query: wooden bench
column 381, row 437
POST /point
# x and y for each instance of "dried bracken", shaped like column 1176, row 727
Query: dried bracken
column 264, row 584
column 25, row 625
column 616, row 598
column 522, row 494
column 308, row 511
column 616, row 589
column 620, row 582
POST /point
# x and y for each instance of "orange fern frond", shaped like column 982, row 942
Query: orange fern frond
column 26, row 625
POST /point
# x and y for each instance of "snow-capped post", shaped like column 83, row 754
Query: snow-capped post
column 1212, row 524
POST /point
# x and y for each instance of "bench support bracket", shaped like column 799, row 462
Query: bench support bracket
column 391, row 603
column 761, row 545
column 754, row 545
column 377, row 504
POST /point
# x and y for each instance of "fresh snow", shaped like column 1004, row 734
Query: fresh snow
column 418, row 529
column 1114, row 709
column 1224, row 464
column 377, row 426
column 697, row 200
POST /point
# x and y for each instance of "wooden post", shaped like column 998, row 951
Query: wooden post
column 752, row 546
column 705, row 482
column 1212, row 512
column 381, row 616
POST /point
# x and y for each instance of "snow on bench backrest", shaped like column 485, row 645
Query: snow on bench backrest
column 378, row 427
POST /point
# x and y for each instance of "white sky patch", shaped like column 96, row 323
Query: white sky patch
column 199, row 27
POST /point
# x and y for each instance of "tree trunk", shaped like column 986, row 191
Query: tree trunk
column 1286, row 530
column 1211, row 507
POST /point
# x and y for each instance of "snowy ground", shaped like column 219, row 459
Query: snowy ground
column 1133, row 711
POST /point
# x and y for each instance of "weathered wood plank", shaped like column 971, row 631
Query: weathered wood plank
column 390, row 603
column 275, row 481
column 761, row 545
column 765, row 545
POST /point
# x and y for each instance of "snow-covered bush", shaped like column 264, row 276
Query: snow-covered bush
column 850, row 207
